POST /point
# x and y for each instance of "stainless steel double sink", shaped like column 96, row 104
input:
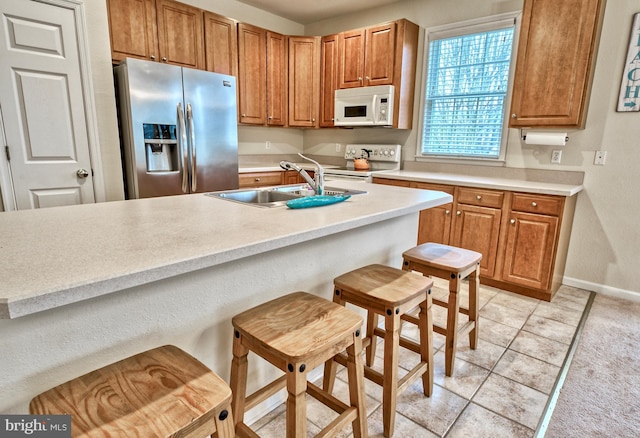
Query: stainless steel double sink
column 276, row 196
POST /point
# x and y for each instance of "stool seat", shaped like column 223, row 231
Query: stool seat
column 158, row 393
column 296, row 333
column 445, row 257
column 392, row 293
column 453, row 264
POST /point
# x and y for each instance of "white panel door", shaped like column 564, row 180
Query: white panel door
column 42, row 103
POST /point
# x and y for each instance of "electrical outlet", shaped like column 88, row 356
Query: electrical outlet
column 600, row 158
column 338, row 147
column 268, row 144
column 556, row 157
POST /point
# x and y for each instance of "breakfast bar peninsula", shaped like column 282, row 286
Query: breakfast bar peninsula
column 84, row 286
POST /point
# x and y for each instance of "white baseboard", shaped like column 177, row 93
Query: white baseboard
column 602, row 289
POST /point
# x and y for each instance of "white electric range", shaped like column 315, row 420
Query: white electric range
column 382, row 158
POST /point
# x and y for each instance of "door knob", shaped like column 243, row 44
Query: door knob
column 82, row 173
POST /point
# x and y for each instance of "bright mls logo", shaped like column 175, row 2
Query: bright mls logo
column 35, row 426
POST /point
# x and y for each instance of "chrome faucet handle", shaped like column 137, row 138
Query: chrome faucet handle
column 319, row 175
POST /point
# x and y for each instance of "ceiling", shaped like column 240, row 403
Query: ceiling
column 310, row 11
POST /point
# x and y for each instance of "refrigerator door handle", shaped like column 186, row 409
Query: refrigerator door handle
column 192, row 134
column 183, row 148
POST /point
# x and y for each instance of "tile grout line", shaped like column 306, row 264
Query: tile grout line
column 564, row 370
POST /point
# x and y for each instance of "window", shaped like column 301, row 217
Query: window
column 466, row 88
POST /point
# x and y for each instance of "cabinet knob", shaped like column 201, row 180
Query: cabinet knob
column 513, row 221
column 479, row 197
column 534, row 204
column 244, row 115
column 360, row 78
column 447, row 212
column 270, row 117
column 256, row 179
column 458, row 212
column 152, row 57
column 514, row 116
column 367, row 78
column 313, row 119
column 164, row 59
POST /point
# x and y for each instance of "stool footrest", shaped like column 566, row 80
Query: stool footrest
column 264, row 393
column 461, row 309
column 244, row 431
column 404, row 342
column 412, row 375
column 347, row 414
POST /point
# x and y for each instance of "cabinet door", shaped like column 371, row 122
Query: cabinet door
column 220, row 44
column 556, row 52
column 276, row 79
column 132, row 29
column 530, row 250
column 252, row 74
column 351, row 67
column 379, row 55
column 304, row 81
column 180, row 34
column 328, row 78
column 435, row 225
column 477, row 228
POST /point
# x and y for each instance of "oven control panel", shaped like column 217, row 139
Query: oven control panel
column 376, row 152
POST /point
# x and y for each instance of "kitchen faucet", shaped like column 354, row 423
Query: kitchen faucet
column 316, row 183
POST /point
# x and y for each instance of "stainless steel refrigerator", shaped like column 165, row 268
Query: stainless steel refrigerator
column 178, row 129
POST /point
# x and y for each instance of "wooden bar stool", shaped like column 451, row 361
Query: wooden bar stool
column 454, row 264
column 390, row 292
column 159, row 393
column 296, row 333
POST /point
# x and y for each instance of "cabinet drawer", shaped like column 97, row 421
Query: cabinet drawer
column 550, row 205
column 483, row 198
column 260, row 179
column 431, row 186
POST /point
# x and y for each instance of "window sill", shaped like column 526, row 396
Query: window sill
column 451, row 160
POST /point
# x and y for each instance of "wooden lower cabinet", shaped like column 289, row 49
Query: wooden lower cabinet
column 523, row 237
column 260, row 179
column 477, row 228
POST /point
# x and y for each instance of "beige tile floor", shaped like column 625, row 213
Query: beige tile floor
column 498, row 390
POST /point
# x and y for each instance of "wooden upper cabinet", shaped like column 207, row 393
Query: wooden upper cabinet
column 180, row 34
column 304, row 81
column 252, row 74
column 276, row 96
column 328, row 78
column 555, row 62
column 379, row 54
column 220, row 44
column 351, row 67
column 132, row 26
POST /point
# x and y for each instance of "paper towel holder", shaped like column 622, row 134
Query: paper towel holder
column 523, row 135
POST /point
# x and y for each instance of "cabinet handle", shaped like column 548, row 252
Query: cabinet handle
column 513, row 221
column 152, row 57
column 458, row 212
column 164, row 59
column 534, row 204
column 447, row 212
column 478, row 197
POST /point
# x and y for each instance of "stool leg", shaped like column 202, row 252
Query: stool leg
column 452, row 324
column 474, row 292
column 297, row 401
column 390, row 382
column 329, row 376
column 426, row 344
column 225, row 426
column 372, row 323
column 238, row 381
column 355, row 372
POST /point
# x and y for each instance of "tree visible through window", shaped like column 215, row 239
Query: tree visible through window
column 467, row 83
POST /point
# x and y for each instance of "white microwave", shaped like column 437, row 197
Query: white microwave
column 364, row 106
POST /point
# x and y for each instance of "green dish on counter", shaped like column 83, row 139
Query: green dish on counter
column 316, row 201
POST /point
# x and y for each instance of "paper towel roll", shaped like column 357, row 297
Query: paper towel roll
column 546, row 138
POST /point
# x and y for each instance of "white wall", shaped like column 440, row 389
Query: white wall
column 603, row 254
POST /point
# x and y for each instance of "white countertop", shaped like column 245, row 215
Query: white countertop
column 516, row 185
column 56, row 256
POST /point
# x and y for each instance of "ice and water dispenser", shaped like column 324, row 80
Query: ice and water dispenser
column 161, row 147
